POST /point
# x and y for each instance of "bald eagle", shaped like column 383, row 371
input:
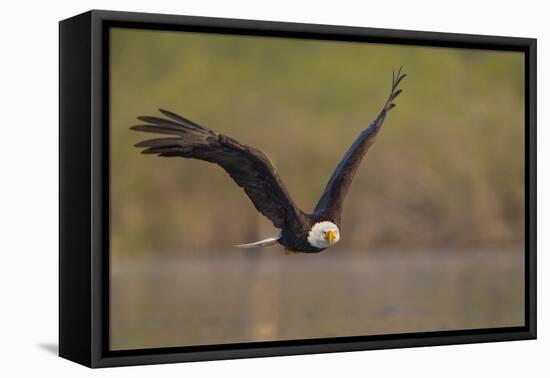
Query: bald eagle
column 252, row 171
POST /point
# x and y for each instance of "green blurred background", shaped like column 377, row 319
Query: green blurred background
column 433, row 226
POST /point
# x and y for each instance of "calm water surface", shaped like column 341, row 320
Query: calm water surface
column 178, row 301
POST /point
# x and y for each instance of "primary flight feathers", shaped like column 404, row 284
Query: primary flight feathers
column 252, row 170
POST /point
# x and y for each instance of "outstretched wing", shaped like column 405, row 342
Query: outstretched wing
column 337, row 187
column 247, row 166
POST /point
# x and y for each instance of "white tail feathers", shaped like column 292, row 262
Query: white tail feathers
column 262, row 243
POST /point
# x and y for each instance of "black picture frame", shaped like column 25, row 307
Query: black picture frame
column 84, row 188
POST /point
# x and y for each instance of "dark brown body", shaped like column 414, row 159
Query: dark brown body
column 294, row 237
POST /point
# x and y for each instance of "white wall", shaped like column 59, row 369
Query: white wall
column 28, row 176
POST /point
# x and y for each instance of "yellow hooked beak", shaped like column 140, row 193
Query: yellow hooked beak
column 329, row 236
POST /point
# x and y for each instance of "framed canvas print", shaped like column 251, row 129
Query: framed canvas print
column 234, row 188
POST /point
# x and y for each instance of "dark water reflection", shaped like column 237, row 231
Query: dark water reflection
column 177, row 301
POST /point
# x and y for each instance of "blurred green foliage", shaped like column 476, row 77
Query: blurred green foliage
column 446, row 169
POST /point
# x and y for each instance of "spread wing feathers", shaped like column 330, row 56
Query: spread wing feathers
column 262, row 243
column 247, row 166
column 337, row 187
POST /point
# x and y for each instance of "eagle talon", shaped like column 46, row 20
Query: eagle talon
column 288, row 252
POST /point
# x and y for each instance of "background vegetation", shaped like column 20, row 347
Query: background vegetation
column 445, row 177
column 447, row 168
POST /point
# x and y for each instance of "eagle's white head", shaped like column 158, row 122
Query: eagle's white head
column 323, row 234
